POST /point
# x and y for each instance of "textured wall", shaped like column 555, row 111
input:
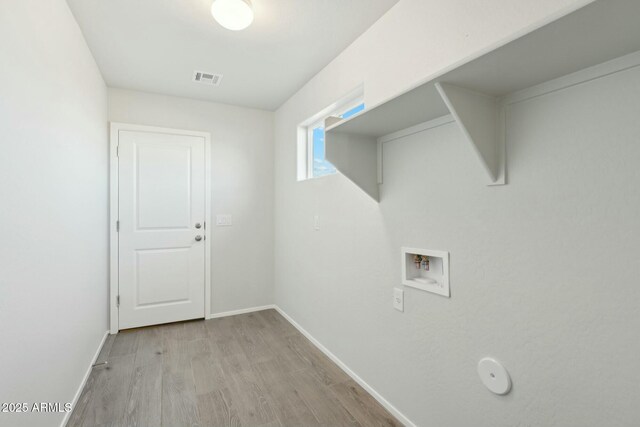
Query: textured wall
column 543, row 270
column 53, row 207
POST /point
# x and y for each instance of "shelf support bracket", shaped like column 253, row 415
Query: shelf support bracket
column 481, row 119
column 356, row 157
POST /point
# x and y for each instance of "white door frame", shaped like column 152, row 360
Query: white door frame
column 113, row 214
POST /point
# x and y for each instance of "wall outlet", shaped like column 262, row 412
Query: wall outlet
column 224, row 220
column 316, row 222
column 398, row 299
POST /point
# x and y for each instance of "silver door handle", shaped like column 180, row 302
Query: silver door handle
column 198, row 225
column 198, row 238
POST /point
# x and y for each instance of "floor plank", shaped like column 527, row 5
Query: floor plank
column 324, row 369
column 179, row 406
column 322, row 401
column 207, row 373
column 124, row 343
column 276, row 322
column 145, row 396
column 218, row 409
column 288, row 405
column 222, row 328
column 251, row 370
column 109, row 399
column 194, row 330
column 81, row 410
column 150, row 346
column 362, row 405
column 252, row 342
column 253, row 404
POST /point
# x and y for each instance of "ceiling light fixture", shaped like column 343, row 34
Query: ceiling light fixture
column 232, row 14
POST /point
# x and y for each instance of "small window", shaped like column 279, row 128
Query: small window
column 315, row 163
column 320, row 165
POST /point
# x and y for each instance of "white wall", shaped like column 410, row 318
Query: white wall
column 543, row 270
column 242, row 173
column 53, row 207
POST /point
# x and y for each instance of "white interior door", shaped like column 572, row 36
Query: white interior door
column 161, row 257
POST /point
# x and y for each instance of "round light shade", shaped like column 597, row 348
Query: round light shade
column 232, row 14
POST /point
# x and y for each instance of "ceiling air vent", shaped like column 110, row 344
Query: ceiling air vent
column 207, row 78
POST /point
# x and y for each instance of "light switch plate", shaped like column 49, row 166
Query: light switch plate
column 224, row 220
column 316, row 222
column 398, row 299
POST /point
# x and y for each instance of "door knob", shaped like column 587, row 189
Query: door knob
column 198, row 238
column 198, row 225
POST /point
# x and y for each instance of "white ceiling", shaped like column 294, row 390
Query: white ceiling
column 155, row 45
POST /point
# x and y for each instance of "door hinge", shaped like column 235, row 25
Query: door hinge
column 118, row 226
column 117, row 151
column 118, row 301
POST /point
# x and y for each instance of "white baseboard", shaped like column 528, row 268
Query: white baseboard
column 384, row 402
column 241, row 311
column 65, row 420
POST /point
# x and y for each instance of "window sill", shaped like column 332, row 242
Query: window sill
column 316, row 178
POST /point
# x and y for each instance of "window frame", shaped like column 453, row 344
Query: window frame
column 310, row 129
column 305, row 133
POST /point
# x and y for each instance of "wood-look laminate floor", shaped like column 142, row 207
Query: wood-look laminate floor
column 253, row 369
